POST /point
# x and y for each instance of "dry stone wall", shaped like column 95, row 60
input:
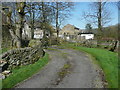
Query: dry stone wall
column 22, row 56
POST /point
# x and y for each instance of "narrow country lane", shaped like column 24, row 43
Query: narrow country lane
column 81, row 72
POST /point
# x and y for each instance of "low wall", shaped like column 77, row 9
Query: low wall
column 22, row 56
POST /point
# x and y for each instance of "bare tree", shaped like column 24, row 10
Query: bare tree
column 20, row 25
column 33, row 14
column 15, row 29
column 98, row 14
column 62, row 12
column 45, row 20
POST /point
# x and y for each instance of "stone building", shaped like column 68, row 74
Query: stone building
column 69, row 32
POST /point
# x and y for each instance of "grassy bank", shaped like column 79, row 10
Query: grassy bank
column 3, row 50
column 22, row 73
column 107, row 60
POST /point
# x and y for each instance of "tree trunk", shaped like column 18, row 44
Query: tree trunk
column 32, row 23
column 99, row 23
column 114, row 47
column 43, row 25
column 100, row 17
column 19, row 35
column 57, row 28
column 15, row 39
column 20, row 25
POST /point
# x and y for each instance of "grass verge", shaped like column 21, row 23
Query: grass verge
column 107, row 60
column 3, row 50
column 22, row 73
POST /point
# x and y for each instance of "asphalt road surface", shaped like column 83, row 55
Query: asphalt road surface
column 81, row 73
